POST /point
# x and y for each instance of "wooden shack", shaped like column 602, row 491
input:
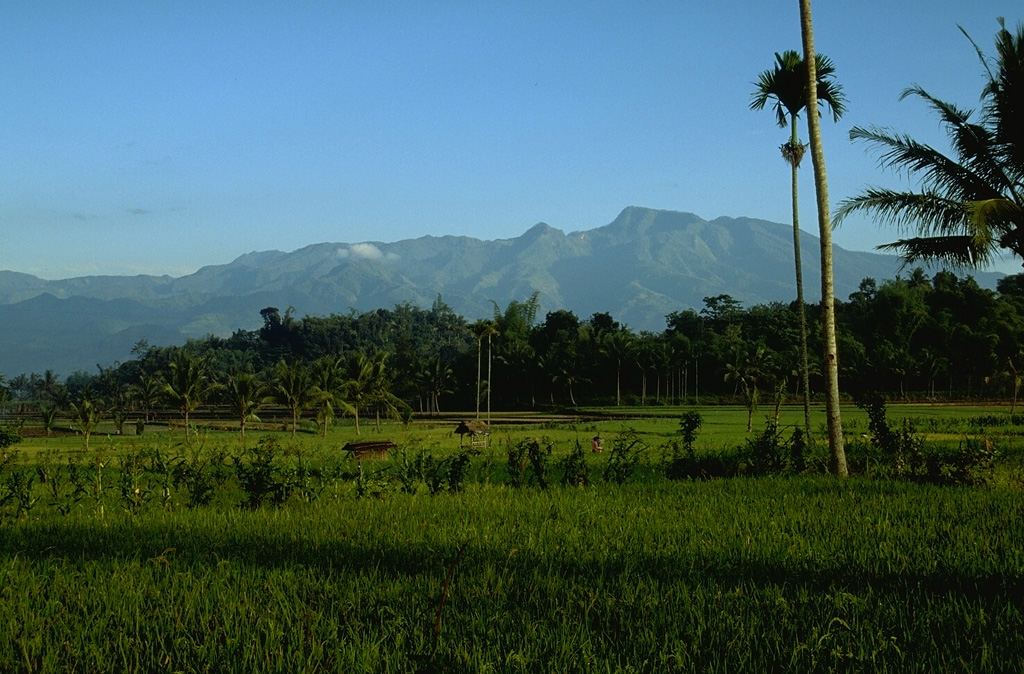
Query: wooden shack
column 478, row 431
column 372, row 449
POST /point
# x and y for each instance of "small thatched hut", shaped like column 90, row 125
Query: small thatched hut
column 478, row 431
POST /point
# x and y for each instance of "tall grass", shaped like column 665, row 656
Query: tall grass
column 771, row 574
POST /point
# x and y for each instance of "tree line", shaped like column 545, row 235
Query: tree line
column 939, row 337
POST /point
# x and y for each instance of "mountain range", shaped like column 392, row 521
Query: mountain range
column 640, row 267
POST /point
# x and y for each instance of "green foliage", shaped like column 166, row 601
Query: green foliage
column 624, row 457
column 689, row 424
column 967, row 208
column 575, row 471
column 526, row 455
column 766, row 453
column 134, row 492
column 458, row 469
column 17, row 496
column 798, row 451
column 260, row 476
column 199, row 473
column 8, row 437
column 539, row 462
column 681, row 461
column 517, row 458
column 410, row 472
column 86, row 417
column 902, row 454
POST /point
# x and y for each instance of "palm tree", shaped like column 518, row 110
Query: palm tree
column 329, row 382
column 245, row 394
column 479, row 329
column 18, row 385
column 356, row 389
column 489, row 329
column 187, row 384
column 293, row 387
column 564, row 367
column 970, row 207
column 147, row 394
column 437, row 378
column 86, row 416
column 48, row 413
column 752, row 366
column 828, row 304
column 786, row 84
column 379, row 390
column 618, row 346
column 48, row 385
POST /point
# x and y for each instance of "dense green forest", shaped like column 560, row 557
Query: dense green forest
column 912, row 337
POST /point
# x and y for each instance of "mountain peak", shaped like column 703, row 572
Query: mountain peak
column 539, row 230
column 636, row 221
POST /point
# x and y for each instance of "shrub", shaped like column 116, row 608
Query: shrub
column 515, row 464
column 689, row 424
column 575, row 472
column 681, row 461
column 765, row 454
column 904, row 456
column 458, row 469
column 797, row 451
column 624, row 457
column 259, row 476
column 8, row 437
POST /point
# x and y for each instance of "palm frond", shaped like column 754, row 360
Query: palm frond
column 997, row 213
column 903, row 155
column 786, row 84
column 954, row 251
column 973, row 143
column 926, row 212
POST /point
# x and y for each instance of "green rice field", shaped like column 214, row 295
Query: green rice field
column 153, row 554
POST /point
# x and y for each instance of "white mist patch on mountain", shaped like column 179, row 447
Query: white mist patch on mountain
column 366, row 251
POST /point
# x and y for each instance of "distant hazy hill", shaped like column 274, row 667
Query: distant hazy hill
column 644, row 265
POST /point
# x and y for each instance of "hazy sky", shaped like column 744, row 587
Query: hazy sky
column 158, row 137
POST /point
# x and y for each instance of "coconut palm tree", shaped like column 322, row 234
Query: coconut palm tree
column 245, row 395
column 147, row 392
column 618, row 346
column 187, row 384
column 436, row 378
column 358, row 380
column 48, row 413
column 86, row 416
column 828, row 305
column 329, row 382
column 969, row 207
column 293, row 387
column 786, row 85
column 379, row 390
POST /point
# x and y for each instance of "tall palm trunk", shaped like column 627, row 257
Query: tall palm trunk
column 489, row 360
column 835, row 423
column 805, row 377
column 479, row 350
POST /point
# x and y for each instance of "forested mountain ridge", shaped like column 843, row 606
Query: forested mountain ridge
column 639, row 268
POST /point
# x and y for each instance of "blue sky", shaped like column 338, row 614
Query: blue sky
column 158, row 137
